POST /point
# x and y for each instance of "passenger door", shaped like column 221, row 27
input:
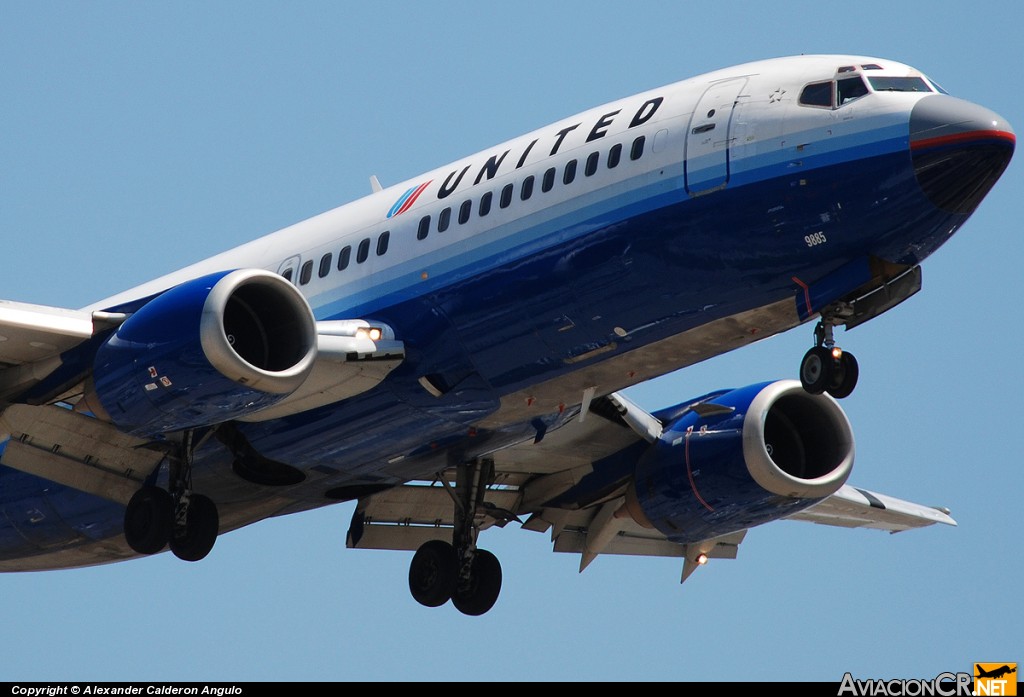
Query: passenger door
column 706, row 165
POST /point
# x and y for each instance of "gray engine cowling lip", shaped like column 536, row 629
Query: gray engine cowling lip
column 226, row 360
column 759, row 462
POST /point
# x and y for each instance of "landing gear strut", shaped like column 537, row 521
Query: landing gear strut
column 156, row 517
column 826, row 367
column 460, row 572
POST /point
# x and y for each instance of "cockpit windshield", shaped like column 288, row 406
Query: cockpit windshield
column 850, row 88
column 883, row 83
column 850, row 85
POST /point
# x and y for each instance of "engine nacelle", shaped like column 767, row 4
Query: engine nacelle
column 204, row 352
column 740, row 459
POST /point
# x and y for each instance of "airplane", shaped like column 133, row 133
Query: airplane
column 450, row 352
column 996, row 672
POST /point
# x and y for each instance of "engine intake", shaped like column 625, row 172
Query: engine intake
column 258, row 330
column 795, row 443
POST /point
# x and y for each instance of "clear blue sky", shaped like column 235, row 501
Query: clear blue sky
column 138, row 137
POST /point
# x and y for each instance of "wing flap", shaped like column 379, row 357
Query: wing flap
column 406, row 516
column 627, row 542
column 76, row 451
column 397, row 537
column 631, row 543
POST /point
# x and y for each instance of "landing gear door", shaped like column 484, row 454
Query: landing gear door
column 709, row 137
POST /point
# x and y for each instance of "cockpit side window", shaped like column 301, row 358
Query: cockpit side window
column 817, row 94
column 850, row 88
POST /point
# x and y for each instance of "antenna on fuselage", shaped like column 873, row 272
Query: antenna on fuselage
column 375, row 184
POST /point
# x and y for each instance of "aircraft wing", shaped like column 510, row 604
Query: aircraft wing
column 528, row 479
column 33, row 337
column 851, row 507
column 35, row 332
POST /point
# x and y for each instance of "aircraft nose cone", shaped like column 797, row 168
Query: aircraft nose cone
column 959, row 151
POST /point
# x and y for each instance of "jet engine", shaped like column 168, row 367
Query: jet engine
column 741, row 458
column 206, row 351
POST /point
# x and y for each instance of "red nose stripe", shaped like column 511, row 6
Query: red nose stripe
column 956, row 138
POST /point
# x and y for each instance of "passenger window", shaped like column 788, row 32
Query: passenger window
column 325, row 264
column 549, row 180
column 591, row 165
column 424, row 229
column 306, row 273
column 527, row 190
column 818, row 94
column 570, row 172
column 506, row 196
column 343, row 257
column 637, row 151
column 850, row 88
column 382, row 243
column 464, row 210
column 444, row 219
column 287, row 275
column 363, row 251
column 485, row 204
column 614, row 155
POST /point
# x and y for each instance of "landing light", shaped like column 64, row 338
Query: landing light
column 372, row 333
column 702, row 559
column 837, row 353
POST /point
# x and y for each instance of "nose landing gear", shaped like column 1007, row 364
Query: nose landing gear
column 826, row 367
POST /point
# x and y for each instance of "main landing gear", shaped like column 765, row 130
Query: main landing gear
column 156, row 517
column 826, row 367
column 460, row 572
